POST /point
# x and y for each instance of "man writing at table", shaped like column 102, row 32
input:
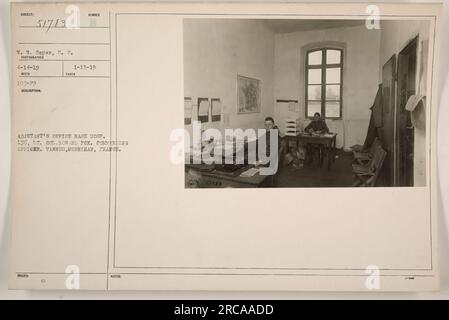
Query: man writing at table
column 317, row 126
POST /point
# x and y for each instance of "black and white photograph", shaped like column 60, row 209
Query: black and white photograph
column 279, row 149
column 305, row 102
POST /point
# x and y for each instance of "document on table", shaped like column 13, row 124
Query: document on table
column 98, row 198
column 250, row 172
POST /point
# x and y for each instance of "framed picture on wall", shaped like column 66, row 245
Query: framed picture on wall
column 248, row 95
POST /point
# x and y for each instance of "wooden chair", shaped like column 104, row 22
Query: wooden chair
column 363, row 157
column 366, row 175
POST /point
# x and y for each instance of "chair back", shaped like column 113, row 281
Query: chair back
column 376, row 165
column 374, row 146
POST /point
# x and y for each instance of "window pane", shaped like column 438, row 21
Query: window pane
column 316, row 57
column 333, row 56
column 333, row 75
column 332, row 92
column 314, row 92
column 312, row 107
column 332, row 109
column 314, row 76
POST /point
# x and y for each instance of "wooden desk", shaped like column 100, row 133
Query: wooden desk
column 326, row 140
column 220, row 179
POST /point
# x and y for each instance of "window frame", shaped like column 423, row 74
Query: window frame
column 323, row 66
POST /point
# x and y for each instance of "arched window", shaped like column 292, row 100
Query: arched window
column 324, row 82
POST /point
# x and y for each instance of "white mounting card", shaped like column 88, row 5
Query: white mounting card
column 104, row 195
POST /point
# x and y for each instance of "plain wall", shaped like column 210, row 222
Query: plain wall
column 215, row 52
column 360, row 76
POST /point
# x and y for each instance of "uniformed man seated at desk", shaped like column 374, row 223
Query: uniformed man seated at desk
column 270, row 125
column 316, row 126
column 275, row 156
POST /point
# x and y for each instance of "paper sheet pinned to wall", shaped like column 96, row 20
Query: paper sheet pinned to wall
column 293, row 106
column 187, row 108
column 216, row 107
column 203, row 108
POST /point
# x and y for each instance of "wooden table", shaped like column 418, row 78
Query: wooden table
column 328, row 141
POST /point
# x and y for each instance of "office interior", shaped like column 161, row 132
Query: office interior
column 368, row 83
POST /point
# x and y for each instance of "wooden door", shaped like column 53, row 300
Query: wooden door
column 407, row 61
